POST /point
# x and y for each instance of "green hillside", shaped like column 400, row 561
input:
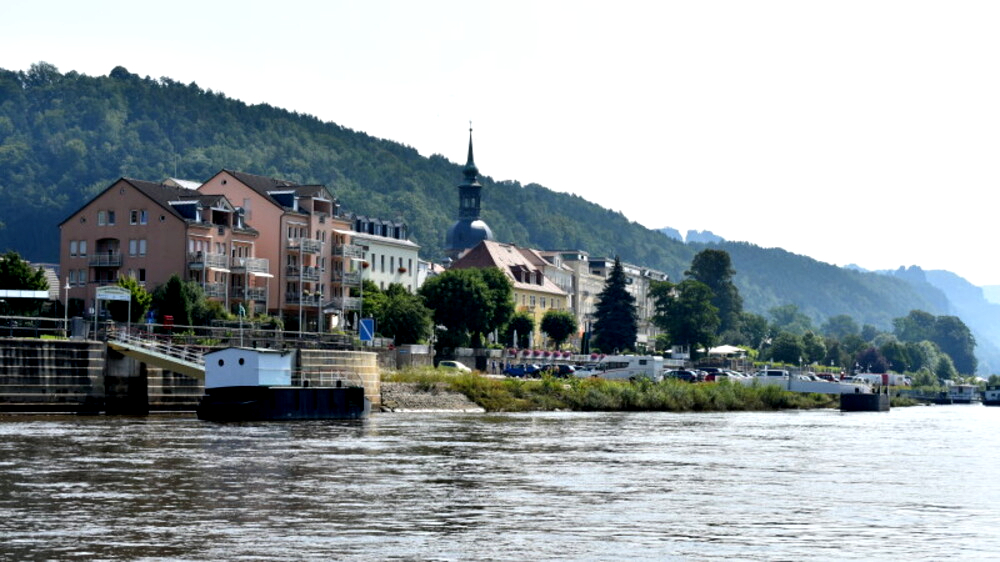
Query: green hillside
column 66, row 136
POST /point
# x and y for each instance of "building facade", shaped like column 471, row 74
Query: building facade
column 534, row 292
column 271, row 246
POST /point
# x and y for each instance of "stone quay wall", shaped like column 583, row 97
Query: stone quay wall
column 39, row 375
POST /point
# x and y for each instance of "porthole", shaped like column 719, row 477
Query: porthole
column 163, row 218
column 241, row 360
column 83, row 219
column 221, row 362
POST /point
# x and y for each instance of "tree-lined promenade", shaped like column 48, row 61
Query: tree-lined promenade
column 462, row 308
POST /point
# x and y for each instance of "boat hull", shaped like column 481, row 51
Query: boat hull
column 864, row 402
column 263, row 403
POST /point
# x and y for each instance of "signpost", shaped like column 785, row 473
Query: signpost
column 366, row 329
column 113, row 293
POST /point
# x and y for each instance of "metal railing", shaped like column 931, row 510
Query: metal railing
column 207, row 259
column 250, row 265
column 350, row 278
column 193, row 356
column 348, row 251
column 305, row 245
column 255, row 293
column 113, row 259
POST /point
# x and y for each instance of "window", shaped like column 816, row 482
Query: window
column 142, row 247
column 133, row 217
column 72, row 248
column 142, row 275
column 83, row 248
column 111, row 218
column 143, row 217
column 543, row 302
column 133, row 247
column 532, row 301
column 101, row 219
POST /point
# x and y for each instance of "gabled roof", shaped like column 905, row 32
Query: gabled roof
column 264, row 186
column 159, row 193
column 509, row 259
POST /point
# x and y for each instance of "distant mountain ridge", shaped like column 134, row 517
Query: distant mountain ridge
column 65, row 137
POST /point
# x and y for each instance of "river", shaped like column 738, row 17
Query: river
column 911, row 484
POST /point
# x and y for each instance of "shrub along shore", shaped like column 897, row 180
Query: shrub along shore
column 594, row 394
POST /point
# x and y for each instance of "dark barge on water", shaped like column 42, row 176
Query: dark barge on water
column 243, row 384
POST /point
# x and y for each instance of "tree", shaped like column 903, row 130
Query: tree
column 754, row 330
column 714, row 269
column 616, row 322
column 955, row 339
column 559, row 324
column 944, row 369
column 500, row 299
column 404, row 316
column 871, row 360
column 522, row 323
column 141, row 299
column 686, row 313
column 174, row 298
column 840, row 326
column 17, row 274
column 787, row 348
column 813, row 347
column 461, row 302
column 897, row 355
column 915, row 326
column 787, row 317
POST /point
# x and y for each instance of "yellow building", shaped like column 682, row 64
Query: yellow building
column 533, row 291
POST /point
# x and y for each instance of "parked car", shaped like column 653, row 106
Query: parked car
column 560, row 371
column 448, row 364
column 683, row 375
column 526, row 370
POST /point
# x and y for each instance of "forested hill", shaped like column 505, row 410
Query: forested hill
column 66, row 136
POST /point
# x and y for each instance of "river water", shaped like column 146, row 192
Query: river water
column 915, row 483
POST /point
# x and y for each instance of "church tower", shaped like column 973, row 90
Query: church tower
column 469, row 229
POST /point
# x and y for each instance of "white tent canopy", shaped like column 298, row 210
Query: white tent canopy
column 727, row 350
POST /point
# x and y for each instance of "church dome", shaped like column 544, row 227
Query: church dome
column 467, row 233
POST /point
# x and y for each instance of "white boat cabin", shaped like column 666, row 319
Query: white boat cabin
column 241, row 366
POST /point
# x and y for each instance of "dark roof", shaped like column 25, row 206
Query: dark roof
column 159, row 193
column 262, row 185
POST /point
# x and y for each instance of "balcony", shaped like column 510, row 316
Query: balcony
column 250, row 265
column 202, row 260
column 258, row 294
column 348, row 251
column 351, row 278
column 215, row 290
column 344, row 303
column 304, row 300
column 109, row 259
column 304, row 245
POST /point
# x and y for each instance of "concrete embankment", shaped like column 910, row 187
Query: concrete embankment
column 417, row 397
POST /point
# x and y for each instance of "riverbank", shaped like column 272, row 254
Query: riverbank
column 433, row 390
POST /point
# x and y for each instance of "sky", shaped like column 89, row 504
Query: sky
column 853, row 132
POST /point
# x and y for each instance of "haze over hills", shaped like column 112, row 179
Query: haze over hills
column 66, row 136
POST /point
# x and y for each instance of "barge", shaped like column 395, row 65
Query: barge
column 244, row 384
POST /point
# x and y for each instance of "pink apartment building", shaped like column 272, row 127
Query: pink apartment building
column 270, row 245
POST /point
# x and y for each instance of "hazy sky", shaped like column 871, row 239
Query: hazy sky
column 859, row 132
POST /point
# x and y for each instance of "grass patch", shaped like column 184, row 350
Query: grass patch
column 593, row 394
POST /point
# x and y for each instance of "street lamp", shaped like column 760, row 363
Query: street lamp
column 361, row 289
column 66, row 309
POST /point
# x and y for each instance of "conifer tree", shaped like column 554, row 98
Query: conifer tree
column 616, row 321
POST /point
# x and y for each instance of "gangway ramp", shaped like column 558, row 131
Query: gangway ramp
column 159, row 354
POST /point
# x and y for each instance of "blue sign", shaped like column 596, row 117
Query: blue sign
column 366, row 329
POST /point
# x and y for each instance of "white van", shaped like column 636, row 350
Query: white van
column 625, row 367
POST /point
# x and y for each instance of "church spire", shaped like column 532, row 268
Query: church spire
column 470, row 171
